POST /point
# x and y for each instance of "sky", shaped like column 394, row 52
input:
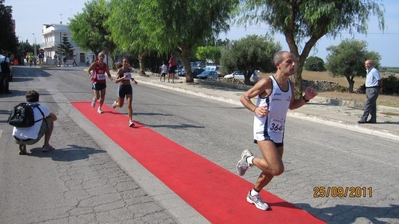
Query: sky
column 29, row 17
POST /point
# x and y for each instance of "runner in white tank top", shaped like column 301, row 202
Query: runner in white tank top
column 272, row 126
column 275, row 95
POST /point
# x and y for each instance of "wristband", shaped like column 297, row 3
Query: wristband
column 303, row 97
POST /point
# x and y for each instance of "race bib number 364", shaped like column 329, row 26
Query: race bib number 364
column 277, row 126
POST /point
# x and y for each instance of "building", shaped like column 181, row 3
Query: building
column 52, row 36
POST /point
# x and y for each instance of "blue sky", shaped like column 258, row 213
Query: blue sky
column 31, row 15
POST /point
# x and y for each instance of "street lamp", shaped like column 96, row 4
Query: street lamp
column 34, row 46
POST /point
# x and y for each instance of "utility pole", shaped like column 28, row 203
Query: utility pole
column 34, row 46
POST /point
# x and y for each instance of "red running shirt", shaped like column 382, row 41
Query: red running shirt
column 99, row 73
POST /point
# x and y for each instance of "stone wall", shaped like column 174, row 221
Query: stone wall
column 320, row 85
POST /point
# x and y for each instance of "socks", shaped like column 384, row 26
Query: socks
column 250, row 160
column 253, row 192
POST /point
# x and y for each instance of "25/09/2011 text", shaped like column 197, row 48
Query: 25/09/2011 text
column 342, row 192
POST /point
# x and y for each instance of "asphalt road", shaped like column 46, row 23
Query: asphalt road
column 81, row 183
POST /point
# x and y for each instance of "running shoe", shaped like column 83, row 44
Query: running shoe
column 114, row 104
column 99, row 110
column 257, row 200
column 93, row 103
column 47, row 148
column 242, row 165
column 22, row 149
column 131, row 124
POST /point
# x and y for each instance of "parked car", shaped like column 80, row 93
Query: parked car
column 197, row 71
column 235, row 75
column 240, row 76
column 208, row 74
column 181, row 71
column 254, row 77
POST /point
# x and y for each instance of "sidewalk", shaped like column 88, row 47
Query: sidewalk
column 334, row 112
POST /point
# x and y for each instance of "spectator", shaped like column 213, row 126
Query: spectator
column 164, row 70
column 172, row 68
column 43, row 126
column 5, row 75
column 373, row 87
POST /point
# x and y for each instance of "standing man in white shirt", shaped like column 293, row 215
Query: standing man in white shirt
column 373, row 88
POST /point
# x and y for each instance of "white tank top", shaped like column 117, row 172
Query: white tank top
column 272, row 126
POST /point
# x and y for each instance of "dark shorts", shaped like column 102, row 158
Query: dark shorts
column 46, row 125
column 281, row 144
column 172, row 69
column 98, row 86
column 124, row 90
column 163, row 74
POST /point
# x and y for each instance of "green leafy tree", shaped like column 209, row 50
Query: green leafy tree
column 348, row 58
column 127, row 31
column 249, row 54
column 314, row 63
column 9, row 40
column 182, row 25
column 65, row 47
column 209, row 52
column 89, row 30
column 304, row 22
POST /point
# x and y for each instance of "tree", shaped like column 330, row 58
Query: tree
column 208, row 52
column 306, row 21
column 314, row 63
column 347, row 60
column 127, row 31
column 249, row 54
column 9, row 40
column 182, row 25
column 65, row 47
column 89, row 31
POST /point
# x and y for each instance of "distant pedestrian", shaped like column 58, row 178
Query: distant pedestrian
column 5, row 73
column 123, row 77
column 30, row 59
column 172, row 68
column 275, row 95
column 65, row 61
column 34, row 60
column 43, row 127
column 74, row 62
column 98, row 80
column 373, row 88
column 164, row 70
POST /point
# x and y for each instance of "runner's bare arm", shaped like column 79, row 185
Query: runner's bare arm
column 260, row 88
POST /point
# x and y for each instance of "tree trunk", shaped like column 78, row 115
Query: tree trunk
column 185, row 52
column 351, row 83
column 141, row 58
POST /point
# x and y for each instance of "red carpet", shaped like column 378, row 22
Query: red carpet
column 214, row 192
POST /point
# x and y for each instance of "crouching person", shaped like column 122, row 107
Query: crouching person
column 43, row 125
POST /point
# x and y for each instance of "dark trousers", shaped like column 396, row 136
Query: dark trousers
column 371, row 104
column 4, row 85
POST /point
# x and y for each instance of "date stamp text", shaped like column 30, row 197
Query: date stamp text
column 342, row 192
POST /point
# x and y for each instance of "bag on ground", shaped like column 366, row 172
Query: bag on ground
column 22, row 115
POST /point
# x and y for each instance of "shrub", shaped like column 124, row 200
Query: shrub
column 390, row 84
column 314, row 64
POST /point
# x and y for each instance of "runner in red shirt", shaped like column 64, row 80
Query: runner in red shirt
column 98, row 80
